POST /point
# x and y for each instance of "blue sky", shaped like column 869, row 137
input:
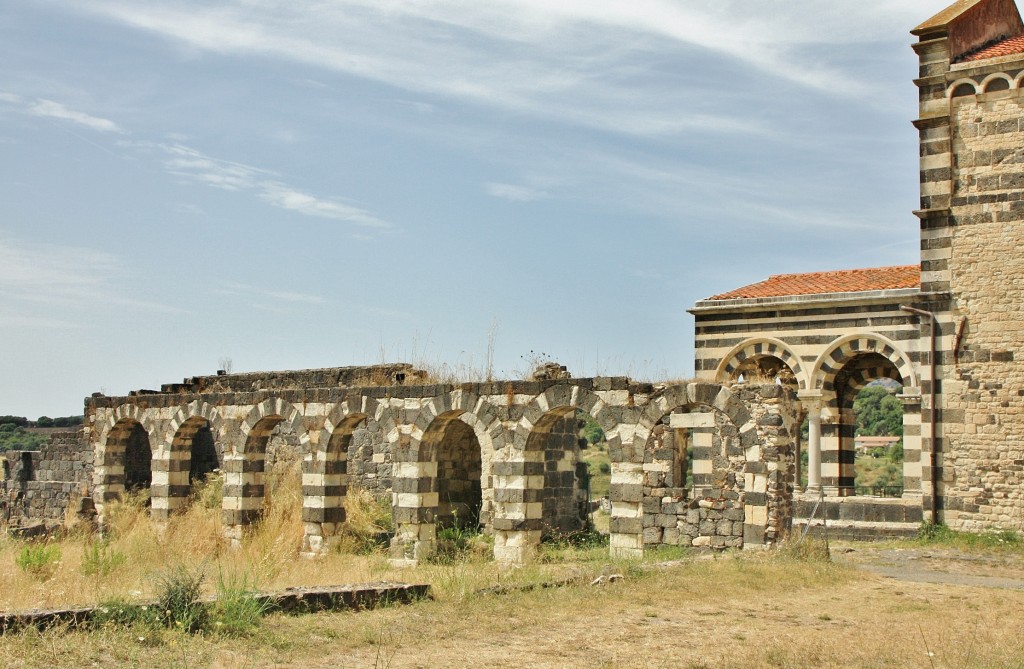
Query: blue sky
column 327, row 183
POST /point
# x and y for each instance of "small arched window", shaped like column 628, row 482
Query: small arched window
column 997, row 84
column 963, row 90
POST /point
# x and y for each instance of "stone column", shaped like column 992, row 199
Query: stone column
column 518, row 507
column 415, row 509
column 626, row 524
column 912, row 463
column 324, row 487
column 813, row 405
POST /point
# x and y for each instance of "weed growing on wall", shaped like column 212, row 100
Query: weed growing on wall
column 178, row 590
column 238, row 609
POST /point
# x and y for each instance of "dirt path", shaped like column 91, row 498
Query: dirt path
column 934, row 565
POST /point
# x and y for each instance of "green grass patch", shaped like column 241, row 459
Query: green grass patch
column 39, row 559
column 942, row 535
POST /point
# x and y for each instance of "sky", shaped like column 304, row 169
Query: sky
column 262, row 184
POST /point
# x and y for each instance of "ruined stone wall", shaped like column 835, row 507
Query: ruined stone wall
column 42, row 483
column 370, row 462
column 742, row 491
column 983, row 411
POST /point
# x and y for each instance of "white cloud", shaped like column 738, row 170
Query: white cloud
column 256, row 295
column 514, row 193
column 581, row 62
column 51, row 109
column 64, row 276
column 286, row 197
column 287, row 296
column 192, row 164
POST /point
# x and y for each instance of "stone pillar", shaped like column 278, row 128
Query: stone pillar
column 912, row 470
column 813, row 405
column 415, row 508
column 518, row 507
column 626, row 524
column 170, row 488
column 324, row 487
column 243, row 495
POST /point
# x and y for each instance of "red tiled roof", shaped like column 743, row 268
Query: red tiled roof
column 842, row 281
column 1005, row 47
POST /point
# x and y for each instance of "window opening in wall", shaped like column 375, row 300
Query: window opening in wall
column 963, row 90
column 878, row 439
column 204, row 458
column 997, row 84
column 863, row 442
column 283, row 468
column 565, row 507
column 594, row 455
column 138, row 460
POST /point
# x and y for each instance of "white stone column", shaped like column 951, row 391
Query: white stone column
column 813, row 405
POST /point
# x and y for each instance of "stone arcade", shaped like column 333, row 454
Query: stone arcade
column 505, row 455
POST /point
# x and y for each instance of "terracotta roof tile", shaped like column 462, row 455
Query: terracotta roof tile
column 841, row 281
column 1005, row 47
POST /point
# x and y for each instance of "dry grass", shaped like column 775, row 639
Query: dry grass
column 734, row 611
column 792, row 608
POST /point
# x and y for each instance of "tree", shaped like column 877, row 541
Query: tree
column 878, row 412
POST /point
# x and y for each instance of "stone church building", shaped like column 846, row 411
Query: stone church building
column 714, row 462
column 948, row 331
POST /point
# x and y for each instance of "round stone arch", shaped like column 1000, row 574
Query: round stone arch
column 962, row 87
column 733, row 518
column 757, row 348
column 271, row 408
column 570, row 396
column 713, row 395
column 120, row 413
column 838, row 472
column 195, row 409
column 844, row 349
column 1018, row 79
column 345, row 416
column 109, row 453
column 244, row 467
column 518, row 475
column 325, row 476
column 174, row 459
column 989, row 85
column 416, row 482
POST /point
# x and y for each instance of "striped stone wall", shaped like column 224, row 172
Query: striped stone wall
column 972, row 203
column 504, row 455
column 826, row 347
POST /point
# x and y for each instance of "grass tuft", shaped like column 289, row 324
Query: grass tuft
column 941, row 535
column 40, row 559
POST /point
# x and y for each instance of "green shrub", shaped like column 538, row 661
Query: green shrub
column 239, row 608
column 100, row 559
column 458, row 544
column 39, row 559
column 178, row 592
